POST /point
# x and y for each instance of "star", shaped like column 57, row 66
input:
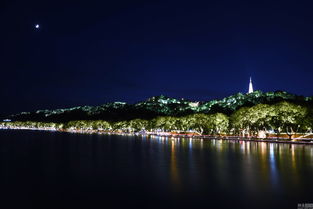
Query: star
column 37, row 26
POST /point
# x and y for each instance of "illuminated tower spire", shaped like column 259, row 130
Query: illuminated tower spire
column 250, row 86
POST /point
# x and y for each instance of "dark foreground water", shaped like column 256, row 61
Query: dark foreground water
column 62, row 170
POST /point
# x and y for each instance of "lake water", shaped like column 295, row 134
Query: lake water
column 63, row 170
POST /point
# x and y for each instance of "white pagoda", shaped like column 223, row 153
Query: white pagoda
column 250, row 86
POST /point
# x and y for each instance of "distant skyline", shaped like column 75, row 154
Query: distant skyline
column 57, row 54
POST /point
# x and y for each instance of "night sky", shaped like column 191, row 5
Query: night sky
column 90, row 53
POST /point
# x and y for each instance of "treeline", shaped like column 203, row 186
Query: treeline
column 160, row 106
column 280, row 117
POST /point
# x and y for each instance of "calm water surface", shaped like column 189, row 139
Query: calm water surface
column 62, row 170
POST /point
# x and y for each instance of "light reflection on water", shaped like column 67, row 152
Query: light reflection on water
column 186, row 172
column 260, row 166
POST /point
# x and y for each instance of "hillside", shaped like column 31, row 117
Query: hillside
column 159, row 106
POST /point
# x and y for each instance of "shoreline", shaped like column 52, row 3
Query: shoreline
column 169, row 135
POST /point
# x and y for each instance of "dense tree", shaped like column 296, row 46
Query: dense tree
column 289, row 117
column 284, row 117
column 218, row 123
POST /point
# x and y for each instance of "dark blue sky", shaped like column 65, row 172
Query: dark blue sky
column 93, row 52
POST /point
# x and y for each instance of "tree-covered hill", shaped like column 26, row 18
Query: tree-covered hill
column 160, row 106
